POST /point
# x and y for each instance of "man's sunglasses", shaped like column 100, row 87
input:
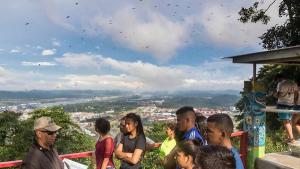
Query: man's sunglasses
column 48, row 132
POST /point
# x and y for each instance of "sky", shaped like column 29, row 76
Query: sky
column 136, row 45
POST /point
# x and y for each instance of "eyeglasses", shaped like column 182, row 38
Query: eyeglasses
column 49, row 132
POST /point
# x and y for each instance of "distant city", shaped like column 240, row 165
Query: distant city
column 84, row 109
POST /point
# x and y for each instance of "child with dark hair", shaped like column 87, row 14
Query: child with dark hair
column 119, row 136
column 215, row 157
column 104, row 146
column 186, row 154
column 133, row 144
column 219, row 129
column 201, row 124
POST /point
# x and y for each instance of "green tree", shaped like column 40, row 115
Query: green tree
column 157, row 132
column 10, row 125
column 278, row 36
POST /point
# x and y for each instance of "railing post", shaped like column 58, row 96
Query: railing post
column 244, row 148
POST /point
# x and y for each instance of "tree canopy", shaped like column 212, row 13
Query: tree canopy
column 278, row 36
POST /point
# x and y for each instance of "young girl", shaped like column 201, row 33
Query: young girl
column 186, row 154
column 104, row 146
column 133, row 144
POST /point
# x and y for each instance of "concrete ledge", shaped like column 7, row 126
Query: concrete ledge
column 295, row 148
column 282, row 160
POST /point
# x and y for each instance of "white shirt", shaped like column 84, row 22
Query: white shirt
column 286, row 90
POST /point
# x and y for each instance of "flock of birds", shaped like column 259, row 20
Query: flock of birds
column 195, row 31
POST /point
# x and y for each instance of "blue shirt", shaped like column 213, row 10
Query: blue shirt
column 238, row 161
column 193, row 134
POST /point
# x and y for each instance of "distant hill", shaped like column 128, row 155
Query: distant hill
column 171, row 99
column 206, row 93
column 216, row 101
column 51, row 94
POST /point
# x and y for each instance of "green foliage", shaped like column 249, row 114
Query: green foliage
column 12, row 143
column 157, row 132
column 9, row 126
column 253, row 14
column 274, row 141
column 277, row 36
column 152, row 160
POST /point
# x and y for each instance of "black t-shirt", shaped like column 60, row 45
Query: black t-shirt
column 129, row 145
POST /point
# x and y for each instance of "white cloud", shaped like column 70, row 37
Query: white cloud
column 2, row 71
column 15, row 51
column 48, row 52
column 222, row 27
column 39, row 47
column 56, row 43
column 135, row 76
column 38, row 63
column 161, row 31
column 79, row 60
column 100, row 82
column 152, row 33
column 152, row 76
column 217, row 74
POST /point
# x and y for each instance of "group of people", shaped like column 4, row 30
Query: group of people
column 288, row 98
column 194, row 142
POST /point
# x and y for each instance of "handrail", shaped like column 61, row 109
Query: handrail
column 273, row 109
column 241, row 134
column 243, row 145
column 74, row 155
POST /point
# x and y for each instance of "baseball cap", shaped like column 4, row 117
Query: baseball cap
column 45, row 123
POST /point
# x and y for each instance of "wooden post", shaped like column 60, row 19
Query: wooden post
column 254, row 77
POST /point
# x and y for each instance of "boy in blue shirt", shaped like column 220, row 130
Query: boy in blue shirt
column 219, row 129
column 186, row 123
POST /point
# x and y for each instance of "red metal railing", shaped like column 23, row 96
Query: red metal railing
column 243, row 144
column 70, row 156
column 241, row 134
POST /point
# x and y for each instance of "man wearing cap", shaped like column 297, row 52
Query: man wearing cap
column 41, row 154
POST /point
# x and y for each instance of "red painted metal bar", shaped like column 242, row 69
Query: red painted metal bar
column 75, row 155
column 10, row 164
column 243, row 144
column 241, row 134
